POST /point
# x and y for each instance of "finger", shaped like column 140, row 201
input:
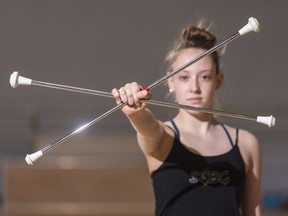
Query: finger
column 135, row 89
column 144, row 95
column 116, row 95
column 123, row 95
column 130, row 98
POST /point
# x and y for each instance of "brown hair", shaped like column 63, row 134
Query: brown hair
column 193, row 37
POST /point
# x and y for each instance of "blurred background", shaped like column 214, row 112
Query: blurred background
column 103, row 44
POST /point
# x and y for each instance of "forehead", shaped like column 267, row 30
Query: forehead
column 186, row 55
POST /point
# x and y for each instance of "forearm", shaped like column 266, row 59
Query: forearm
column 148, row 128
column 145, row 124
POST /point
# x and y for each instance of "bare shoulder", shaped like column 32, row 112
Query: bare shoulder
column 168, row 128
column 249, row 147
column 248, row 141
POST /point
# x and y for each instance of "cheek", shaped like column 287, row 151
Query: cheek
column 181, row 89
column 209, row 89
column 179, row 93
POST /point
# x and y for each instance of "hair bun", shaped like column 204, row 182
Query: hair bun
column 193, row 36
column 197, row 37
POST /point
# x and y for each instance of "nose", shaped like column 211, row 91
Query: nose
column 194, row 85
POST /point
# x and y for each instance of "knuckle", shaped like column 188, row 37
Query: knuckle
column 127, row 85
column 129, row 95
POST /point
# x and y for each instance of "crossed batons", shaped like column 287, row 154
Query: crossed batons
column 16, row 80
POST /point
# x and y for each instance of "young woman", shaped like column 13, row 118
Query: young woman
column 198, row 165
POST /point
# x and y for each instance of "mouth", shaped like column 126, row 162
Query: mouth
column 196, row 100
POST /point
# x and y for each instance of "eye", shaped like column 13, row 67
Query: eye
column 183, row 77
column 206, row 77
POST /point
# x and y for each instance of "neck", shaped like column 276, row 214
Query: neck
column 198, row 122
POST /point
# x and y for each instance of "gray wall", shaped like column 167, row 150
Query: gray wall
column 104, row 44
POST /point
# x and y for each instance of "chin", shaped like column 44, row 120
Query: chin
column 196, row 112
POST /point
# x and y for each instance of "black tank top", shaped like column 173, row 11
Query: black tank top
column 187, row 184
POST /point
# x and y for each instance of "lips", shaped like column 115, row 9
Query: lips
column 195, row 100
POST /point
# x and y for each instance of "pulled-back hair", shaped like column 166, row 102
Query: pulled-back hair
column 193, row 37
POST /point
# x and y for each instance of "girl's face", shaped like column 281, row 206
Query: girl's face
column 195, row 85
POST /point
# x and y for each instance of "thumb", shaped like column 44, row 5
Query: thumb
column 144, row 94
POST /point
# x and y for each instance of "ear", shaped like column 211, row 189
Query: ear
column 171, row 84
column 219, row 80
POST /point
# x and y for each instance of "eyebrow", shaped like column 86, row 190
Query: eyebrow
column 202, row 71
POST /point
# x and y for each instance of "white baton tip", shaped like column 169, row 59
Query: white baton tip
column 268, row 120
column 252, row 25
column 16, row 79
column 32, row 158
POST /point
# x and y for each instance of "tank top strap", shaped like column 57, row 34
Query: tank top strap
column 229, row 137
column 236, row 139
column 177, row 133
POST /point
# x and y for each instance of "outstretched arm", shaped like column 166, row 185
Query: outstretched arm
column 149, row 129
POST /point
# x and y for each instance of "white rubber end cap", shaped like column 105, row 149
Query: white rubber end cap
column 268, row 120
column 252, row 25
column 32, row 158
column 16, row 79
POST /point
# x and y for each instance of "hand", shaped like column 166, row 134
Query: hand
column 131, row 94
